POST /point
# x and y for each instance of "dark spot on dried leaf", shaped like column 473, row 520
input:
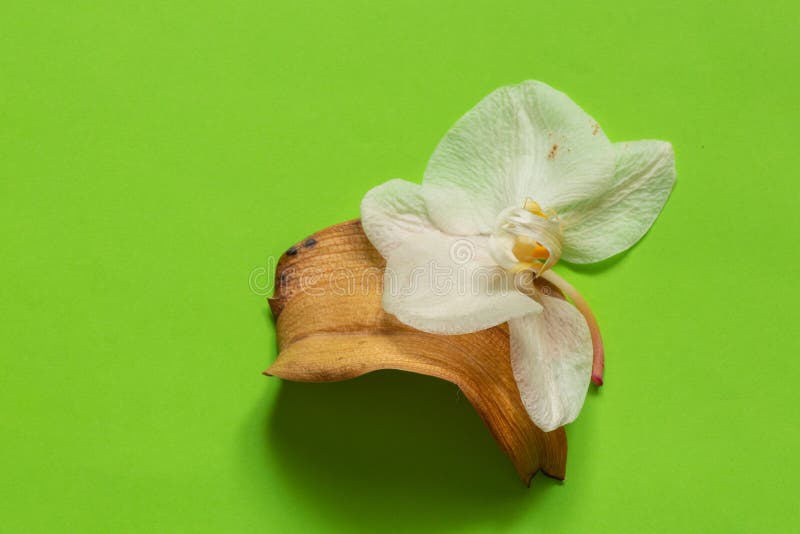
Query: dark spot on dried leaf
column 310, row 242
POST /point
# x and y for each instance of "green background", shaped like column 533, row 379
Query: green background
column 154, row 155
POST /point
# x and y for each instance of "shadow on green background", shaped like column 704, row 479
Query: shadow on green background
column 357, row 449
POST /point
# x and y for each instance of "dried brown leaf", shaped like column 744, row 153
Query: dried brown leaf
column 331, row 326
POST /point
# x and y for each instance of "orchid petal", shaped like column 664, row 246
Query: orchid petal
column 456, row 289
column 616, row 220
column 521, row 141
column 551, row 356
column 392, row 213
column 435, row 282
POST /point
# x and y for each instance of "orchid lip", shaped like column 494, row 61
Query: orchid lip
column 527, row 238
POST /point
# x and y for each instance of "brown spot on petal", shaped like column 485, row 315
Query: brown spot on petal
column 553, row 152
column 595, row 128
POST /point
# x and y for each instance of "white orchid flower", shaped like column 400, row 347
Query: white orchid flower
column 523, row 180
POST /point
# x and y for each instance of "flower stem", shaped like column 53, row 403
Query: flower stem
column 598, row 358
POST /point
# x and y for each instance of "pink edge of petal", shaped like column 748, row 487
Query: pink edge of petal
column 597, row 379
column 598, row 354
